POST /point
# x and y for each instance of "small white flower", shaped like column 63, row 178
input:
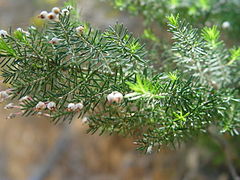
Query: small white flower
column 78, row 106
column 149, row 149
column 40, row 106
column 115, row 97
column 80, row 29
column 3, row 33
column 52, row 16
column 56, row 10
column 54, row 41
column 226, row 25
column 4, row 95
column 9, row 106
column 43, row 15
column 71, row 107
column 51, row 106
column 65, row 12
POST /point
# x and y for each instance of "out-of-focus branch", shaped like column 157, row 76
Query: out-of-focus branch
column 227, row 152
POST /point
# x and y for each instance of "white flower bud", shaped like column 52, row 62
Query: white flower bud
column 52, row 16
column 56, row 10
column 43, row 15
column 149, row 150
column 33, row 28
column 226, row 25
column 3, row 33
column 54, row 41
column 25, row 98
column 71, row 107
column 115, row 97
column 69, row 8
column 22, row 31
column 4, row 95
column 80, row 29
column 78, row 106
column 40, row 106
column 51, row 106
column 9, row 106
column 85, row 120
column 65, row 12
column 11, row 115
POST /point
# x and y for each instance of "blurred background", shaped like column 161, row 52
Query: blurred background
column 35, row 149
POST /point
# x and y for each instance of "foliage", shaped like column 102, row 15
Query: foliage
column 62, row 64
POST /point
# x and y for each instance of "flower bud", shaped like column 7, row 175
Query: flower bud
column 80, row 29
column 226, row 25
column 40, row 106
column 56, row 10
column 78, row 106
column 54, row 41
column 25, row 98
column 3, row 33
column 65, row 12
column 71, row 107
column 22, row 31
column 51, row 106
column 52, row 16
column 43, row 15
column 4, row 95
column 115, row 97
column 85, row 120
column 9, row 106
column 149, row 149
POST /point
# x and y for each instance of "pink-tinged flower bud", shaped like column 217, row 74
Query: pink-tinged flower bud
column 54, row 41
column 71, row 107
column 4, row 95
column 56, row 10
column 43, row 15
column 40, row 106
column 78, row 106
column 115, row 97
column 25, row 98
column 51, row 106
column 80, row 29
column 3, row 33
column 52, row 16
column 9, row 106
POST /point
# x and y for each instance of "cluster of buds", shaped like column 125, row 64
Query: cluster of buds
column 74, row 107
column 3, row 33
column 115, row 97
column 53, row 15
column 48, row 105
